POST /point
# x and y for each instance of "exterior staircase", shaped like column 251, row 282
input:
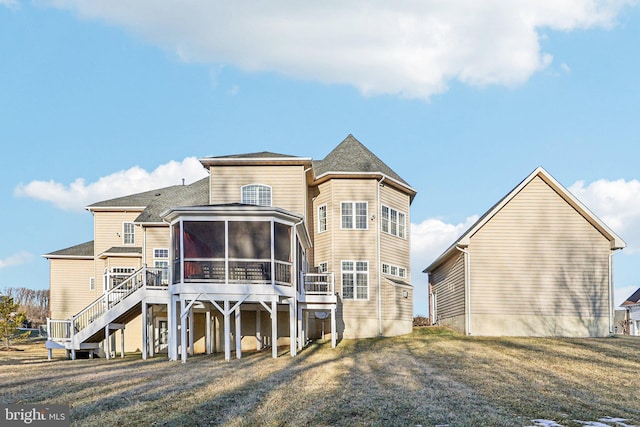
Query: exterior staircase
column 116, row 307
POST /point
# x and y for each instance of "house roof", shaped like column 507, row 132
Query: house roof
column 133, row 201
column 83, row 250
column 121, row 251
column 632, row 300
column 261, row 158
column 463, row 240
column 352, row 157
column 180, row 195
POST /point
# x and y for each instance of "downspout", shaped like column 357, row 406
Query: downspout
column 467, row 289
column 378, row 267
column 611, row 302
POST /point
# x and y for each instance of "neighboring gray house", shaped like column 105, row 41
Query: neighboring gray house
column 632, row 309
column 538, row 263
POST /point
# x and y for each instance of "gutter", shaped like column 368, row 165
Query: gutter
column 467, row 289
column 378, row 268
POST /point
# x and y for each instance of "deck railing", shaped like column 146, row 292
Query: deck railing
column 318, row 283
column 63, row 330
column 240, row 271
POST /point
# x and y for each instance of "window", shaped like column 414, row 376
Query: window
column 353, row 215
column 161, row 263
column 322, row 218
column 161, row 253
column 323, row 267
column 393, row 270
column 355, row 280
column 256, row 194
column 393, row 222
column 128, row 233
column 92, row 283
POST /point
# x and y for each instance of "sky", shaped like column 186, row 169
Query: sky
column 463, row 99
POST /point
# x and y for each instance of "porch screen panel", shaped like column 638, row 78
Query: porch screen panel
column 250, row 240
column 282, row 242
column 203, row 244
column 175, row 229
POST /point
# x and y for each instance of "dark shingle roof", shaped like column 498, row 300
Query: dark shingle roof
column 633, row 299
column 139, row 200
column 352, row 156
column 81, row 250
column 123, row 250
column 260, row 155
column 195, row 194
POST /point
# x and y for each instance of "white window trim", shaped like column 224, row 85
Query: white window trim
column 355, row 285
column 160, row 249
column 124, row 233
column 256, row 184
column 389, row 267
column 326, row 264
column 399, row 225
column 326, row 218
column 353, row 214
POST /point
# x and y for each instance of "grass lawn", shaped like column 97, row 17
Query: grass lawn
column 431, row 377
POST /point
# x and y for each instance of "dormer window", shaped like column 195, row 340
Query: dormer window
column 256, row 194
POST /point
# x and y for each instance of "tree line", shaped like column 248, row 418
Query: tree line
column 34, row 303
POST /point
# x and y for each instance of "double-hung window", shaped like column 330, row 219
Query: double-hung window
column 161, row 262
column 128, row 233
column 256, row 194
column 322, row 218
column 393, row 222
column 353, row 215
column 355, row 280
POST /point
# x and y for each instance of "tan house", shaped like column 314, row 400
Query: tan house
column 268, row 250
column 538, row 263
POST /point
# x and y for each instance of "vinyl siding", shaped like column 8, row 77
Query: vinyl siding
column 107, row 226
column 395, row 250
column 69, row 285
column 288, row 184
column 447, row 281
column 539, row 259
column 156, row 238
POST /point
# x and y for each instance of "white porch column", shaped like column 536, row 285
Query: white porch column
column 145, row 330
column 238, row 334
column 172, row 326
column 334, row 332
column 293, row 326
column 274, row 329
column 227, row 331
column 301, row 331
column 209, row 333
column 152, row 333
column 183, row 330
column 258, row 329
column 191, row 334
column 107, row 343
column 122, row 342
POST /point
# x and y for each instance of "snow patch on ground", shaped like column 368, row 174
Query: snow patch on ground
column 602, row 422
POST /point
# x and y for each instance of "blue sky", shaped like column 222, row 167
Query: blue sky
column 463, row 99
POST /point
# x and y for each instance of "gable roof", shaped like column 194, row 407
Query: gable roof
column 463, row 240
column 633, row 299
column 352, row 157
column 81, row 251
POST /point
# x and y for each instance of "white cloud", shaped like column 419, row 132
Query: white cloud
column 16, row 259
column 428, row 240
column 617, row 203
column 78, row 194
column 11, row 4
column 413, row 49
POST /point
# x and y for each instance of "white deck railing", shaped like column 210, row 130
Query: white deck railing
column 318, row 283
column 63, row 330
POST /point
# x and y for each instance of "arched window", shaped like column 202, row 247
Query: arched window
column 256, row 194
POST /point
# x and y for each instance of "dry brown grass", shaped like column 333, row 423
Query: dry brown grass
column 430, row 377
